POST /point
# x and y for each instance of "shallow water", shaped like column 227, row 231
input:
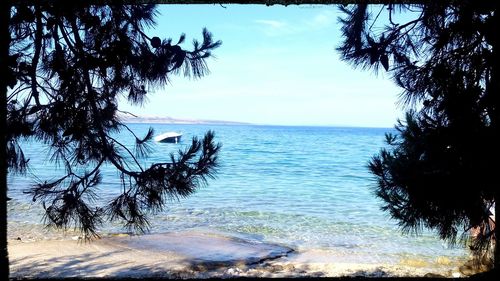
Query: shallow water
column 305, row 187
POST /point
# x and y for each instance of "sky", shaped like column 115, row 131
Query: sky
column 277, row 65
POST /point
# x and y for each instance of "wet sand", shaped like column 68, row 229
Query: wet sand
column 187, row 255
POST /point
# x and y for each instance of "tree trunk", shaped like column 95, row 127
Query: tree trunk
column 4, row 54
column 495, row 85
column 496, row 255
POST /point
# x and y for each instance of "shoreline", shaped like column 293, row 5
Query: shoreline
column 189, row 254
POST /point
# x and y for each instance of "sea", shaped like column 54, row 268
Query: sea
column 308, row 188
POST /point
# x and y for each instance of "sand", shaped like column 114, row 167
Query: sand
column 187, row 254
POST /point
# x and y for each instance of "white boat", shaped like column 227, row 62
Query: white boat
column 171, row 137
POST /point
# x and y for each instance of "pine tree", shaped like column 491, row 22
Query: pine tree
column 63, row 71
column 439, row 169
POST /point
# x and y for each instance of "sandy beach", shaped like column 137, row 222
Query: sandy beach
column 190, row 254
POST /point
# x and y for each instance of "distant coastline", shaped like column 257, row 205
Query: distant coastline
column 131, row 118
column 150, row 119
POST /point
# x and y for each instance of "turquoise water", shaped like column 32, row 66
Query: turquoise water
column 306, row 187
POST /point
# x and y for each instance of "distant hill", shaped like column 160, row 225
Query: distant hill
column 128, row 118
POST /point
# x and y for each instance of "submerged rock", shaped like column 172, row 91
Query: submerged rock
column 434, row 275
column 172, row 255
column 205, row 251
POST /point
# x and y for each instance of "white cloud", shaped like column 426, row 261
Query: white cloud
column 322, row 20
column 272, row 23
column 276, row 27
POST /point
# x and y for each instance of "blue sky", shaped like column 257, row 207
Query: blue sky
column 277, row 65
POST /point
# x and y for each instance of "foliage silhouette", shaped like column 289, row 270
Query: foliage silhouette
column 439, row 170
column 4, row 53
column 68, row 64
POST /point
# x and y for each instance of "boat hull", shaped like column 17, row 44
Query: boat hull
column 169, row 137
column 170, row 140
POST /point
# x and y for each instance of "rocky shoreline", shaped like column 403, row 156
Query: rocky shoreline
column 188, row 254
